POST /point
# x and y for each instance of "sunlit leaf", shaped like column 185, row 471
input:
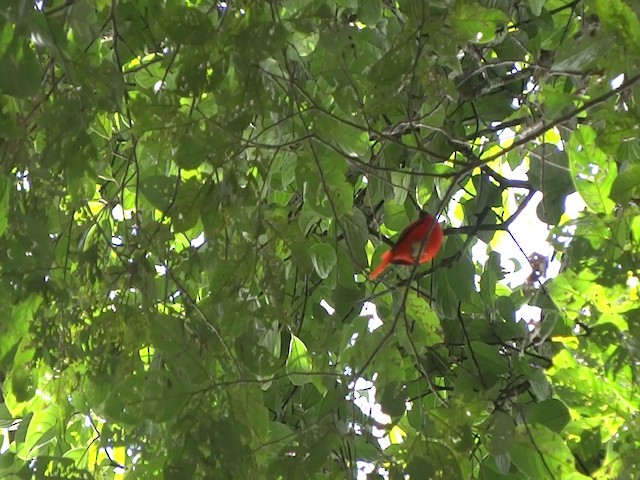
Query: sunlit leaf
column 299, row 362
column 593, row 172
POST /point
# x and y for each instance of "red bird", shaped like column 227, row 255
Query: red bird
column 405, row 251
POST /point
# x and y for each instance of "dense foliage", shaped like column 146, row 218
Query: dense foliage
column 193, row 192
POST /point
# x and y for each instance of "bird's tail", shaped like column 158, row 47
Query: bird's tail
column 384, row 263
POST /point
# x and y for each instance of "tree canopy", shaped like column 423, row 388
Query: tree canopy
column 192, row 194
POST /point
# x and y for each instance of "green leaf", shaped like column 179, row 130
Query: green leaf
column 390, row 66
column 15, row 328
column 427, row 330
column 592, row 171
column 552, row 413
column 584, row 55
column 185, row 209
column 187, row 25
column 6, row 419
column 401, row 182
column 9, row 126
column 549, row 172
column 536, row 452
column 495, row 467
column 192, row 78
column 158, row 396
column 324, row 259
column 459, row 278
column 626, row 185
column 159, row 191
column 435, row 459
column 347, row 301
column 502, row 433
column 536, row 6
column 341, row 132
column 393, row 400
column 395, row 216
column 476, row 23
column 419, row 466
column 356, row 237
column 42, row 430
column 622, row 19
column 490, row 360
column 20, row 73
column 369, row 11
column 192, row 150
column 5, row 194
column 298, row 362
column 490, row 276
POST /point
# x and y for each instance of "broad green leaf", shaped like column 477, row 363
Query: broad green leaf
column 192, row 78
column 159, row 191
column 476, row 23
column 585, row 54
column 621, row 17
column 537, row 451
column 552, row 413
column 392, row 64
column 491, row 361
column 356, row 237
column 15, row 327
column 395, row 216
column 626, row 185
column 549, row 172
column 42, row 430
column 6, row 419
column 299, row 362
column 369, row 11
column 157, row 397
column 393, row 400
column 338, row 130
column 495, row 467
column 185, row 209
column 192, row 150
column 536, row 6
column 323, row 257
column 401, row 182
column 187, row 25
column 459, row 278
column 9, row 126
column 427, row 330
column 502, row 433
column 592, row 171
column 419, row 466
column 347, row 301
column 20, row 73
column 434, row 460
column 489, row 279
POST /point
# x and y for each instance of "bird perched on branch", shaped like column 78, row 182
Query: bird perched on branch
column 412, row 247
